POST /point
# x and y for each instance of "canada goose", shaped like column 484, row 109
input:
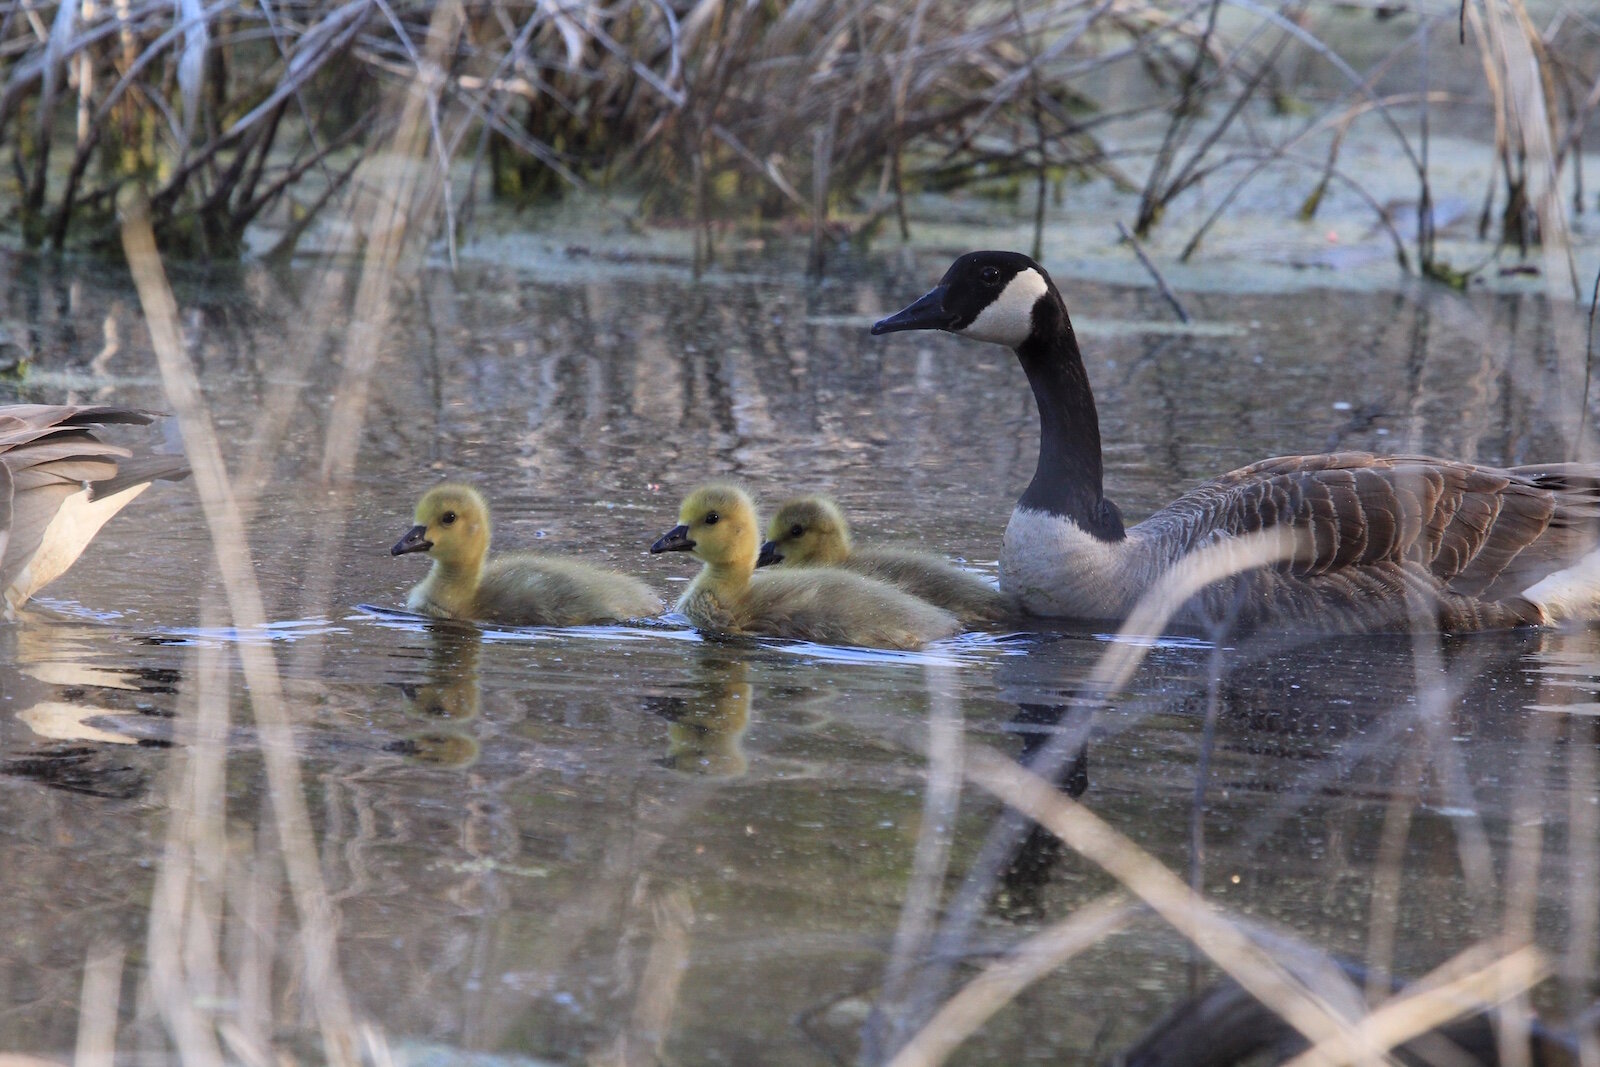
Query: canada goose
column 514, row 589
column 59, row 483
column 1384, row 541
column 812, row 531
column 718, row 524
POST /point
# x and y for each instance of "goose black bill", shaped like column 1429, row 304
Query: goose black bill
column 769, row 554
column 927, row 313
column 674, row 540
column 415, row 540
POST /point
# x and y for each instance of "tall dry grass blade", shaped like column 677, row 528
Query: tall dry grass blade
column 1003, row 980
column 97, row 1006
column 1581, row 961
column 181, row 973
column 1512, row 48
column 1304, row 1009
column 391, row 219
column 896, row 1011
column 1581, row 439
column 1006, row 836
column 1413, row 1014
column 231, row 546
column 1339, row 63
column 1527, row 819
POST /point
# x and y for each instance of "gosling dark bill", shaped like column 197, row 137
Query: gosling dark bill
column 415, row 540
column 769, row 554
column 674, row 540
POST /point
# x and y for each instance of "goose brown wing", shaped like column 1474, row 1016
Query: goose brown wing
column 48, row 452
column 1479, row 532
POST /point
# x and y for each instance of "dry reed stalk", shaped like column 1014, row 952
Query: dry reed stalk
column 1201, row 922
column 231, row 546
column 895, row 1009
column 1581, row 960
column 401, row 187
column 1003, row 980
column 97, row 1006
column 1512, row 57
column 184, row 936
column 1412, row 1014
column 1446, row 994
column 1527, row 822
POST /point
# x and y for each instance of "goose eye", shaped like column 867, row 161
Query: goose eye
column 990, row 275
column 796, row 530
column 447, row 519
column 712, row 518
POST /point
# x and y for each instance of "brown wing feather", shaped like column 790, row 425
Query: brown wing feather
column 49, row 452
column 1384, row 531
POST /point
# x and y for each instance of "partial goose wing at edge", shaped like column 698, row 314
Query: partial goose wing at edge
column 1382, row 530
column 49, row 455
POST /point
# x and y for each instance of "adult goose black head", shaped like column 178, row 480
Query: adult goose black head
column 1364, row 542
column 1006, row 298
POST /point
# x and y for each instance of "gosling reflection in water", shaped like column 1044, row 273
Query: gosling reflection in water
column 705, row 731
column 449, row 699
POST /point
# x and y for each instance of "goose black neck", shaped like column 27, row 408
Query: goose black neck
column 1068, row 479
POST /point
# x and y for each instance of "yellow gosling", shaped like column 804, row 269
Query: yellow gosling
column 515, row 588
column 812, row 531
column 718, row 524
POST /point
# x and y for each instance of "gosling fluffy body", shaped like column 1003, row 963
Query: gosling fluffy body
column 812, row 531
column 718, row 524
column 513, row 588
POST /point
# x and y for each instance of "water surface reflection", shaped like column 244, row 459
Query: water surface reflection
column 632, row 845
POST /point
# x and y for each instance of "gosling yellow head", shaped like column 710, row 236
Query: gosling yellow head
column 806, row 532
column 452, row 527
column 718, row 524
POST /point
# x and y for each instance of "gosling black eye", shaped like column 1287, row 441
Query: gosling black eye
column 796, row 530
column 447, row 519
column 990, row 275
column 711, row 518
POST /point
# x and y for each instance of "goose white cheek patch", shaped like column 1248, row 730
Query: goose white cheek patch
column 1009, row 318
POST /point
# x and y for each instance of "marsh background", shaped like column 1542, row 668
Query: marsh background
column 589, row 256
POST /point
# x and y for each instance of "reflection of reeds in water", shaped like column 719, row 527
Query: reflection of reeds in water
column 194, row 888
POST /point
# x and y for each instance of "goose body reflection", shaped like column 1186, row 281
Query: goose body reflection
column 812, row 531
column 718, row 524
column 60, row 482
column 514, row 588
column 1375, row 542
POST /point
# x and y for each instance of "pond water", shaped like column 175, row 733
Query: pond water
column 629, row 845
